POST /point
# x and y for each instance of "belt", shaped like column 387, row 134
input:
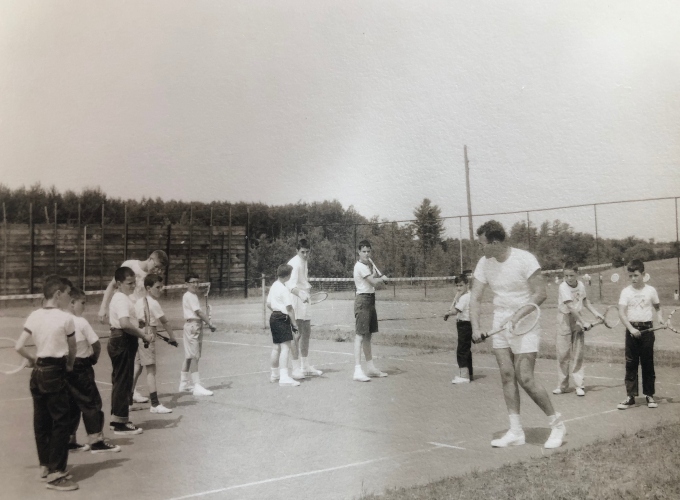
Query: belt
column 116, row 332
column 48, row 361
column 194, row 320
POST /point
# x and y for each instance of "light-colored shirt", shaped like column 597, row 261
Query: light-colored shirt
column 463, row 307
column 361, row 272
column 279, row 297
column 49, row 328
column 136, row 266
column 85, row 337
column 298, row 276
column 639, row 303
column 121, row 307
column 576, row 295
column 155, row 310
column 190, row 305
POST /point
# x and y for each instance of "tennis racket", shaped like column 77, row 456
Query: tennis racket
column 376, row 268
column 208, row 309
column 147, row 321
column 526, row 318
column 167, row 340
column 670, row 324
column 11, row 361
column 317, row 297
column 610, row 318
column 615, row 277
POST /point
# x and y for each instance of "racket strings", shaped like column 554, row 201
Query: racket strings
column 526, row 323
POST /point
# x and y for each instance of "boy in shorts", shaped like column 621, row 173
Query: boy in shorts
column 193, row 339
column 365, row 315
column 146, row 353
column 460, row 307
column 637, row 304
column 283, row 326
column 53, row 331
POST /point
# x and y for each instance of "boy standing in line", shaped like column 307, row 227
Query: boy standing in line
column 53, row 332
column 636, row 310
column 122, row 349
column 365, row 315
column 570, row 343
column 193, row 339
column 460, row 307
column 283, row 326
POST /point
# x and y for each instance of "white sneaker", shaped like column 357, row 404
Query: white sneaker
column 312, row 371
column 460, row 380
column 160, row 409
column 138, row 398
column 376, row 373
column 199, row 390
column 288, row 382
column 273, row 378
column 580, row 391
column 510, row 438
column 298, row 374
column 185, row 386
column 558, row 391
column 556, row 436
column 360, row 376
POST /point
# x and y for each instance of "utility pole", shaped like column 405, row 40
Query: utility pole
column 469, row 207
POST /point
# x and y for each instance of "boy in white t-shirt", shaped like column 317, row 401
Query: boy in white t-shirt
column 569, row 343
column 636, row 310
column 53, row 331
column 193, row 339
column 146, row 353
column 283, row 326
column 460, row 307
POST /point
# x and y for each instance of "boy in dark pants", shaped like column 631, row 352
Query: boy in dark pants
column 122, row 349
column 53, row 332
column 460, row 307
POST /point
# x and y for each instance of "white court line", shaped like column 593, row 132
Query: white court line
column 591, row 415
column 442, row 445
column 303, row 474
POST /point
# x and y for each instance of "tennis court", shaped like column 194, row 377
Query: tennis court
column 330, row 438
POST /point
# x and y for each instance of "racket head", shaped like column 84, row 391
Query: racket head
column 673, row 322
column 317, row 297
column 615, row 277
column 531, row 313
column 11, row 362
column 646, row 278
column 611, row 317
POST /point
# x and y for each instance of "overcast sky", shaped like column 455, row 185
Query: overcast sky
column 367, row 102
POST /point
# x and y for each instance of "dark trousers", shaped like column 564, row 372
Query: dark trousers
column 85, row 399
column 51, row 412
column 122, row 349
column 464, row 348
column 640, row 352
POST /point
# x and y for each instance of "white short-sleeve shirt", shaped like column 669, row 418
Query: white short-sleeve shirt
column 190, row 305
column 49, row 328
column 361, row 272
column 155, row 310
column 279, row 297
column 298, row 277
column 639, row 303
column 463, row 306
column 121, row 307
column 136, row 266
column 85, row 337
column 576, row 295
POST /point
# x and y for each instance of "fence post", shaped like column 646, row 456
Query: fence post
column 229, row 254
column 245, row 282
column 101, row 256
column 4, row 254
column 221, row 263
column 31, row 237
column 78, row 239
column 55, row 239
column 210, row 231
column 84, row 256
column 167, row 252
column 191, row 228
column 148, row 226
column 264, row 304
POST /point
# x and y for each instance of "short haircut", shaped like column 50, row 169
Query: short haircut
column 190, row 276
column 123, row 273
column 284, row 270
column 461, row 278
column 161, row 257
column 303, row 243
column 363, row 243
column 635, row 265
column 492, row 231
column 77, row 293
column 55, row 283
column 570, row 264
column 152, row 279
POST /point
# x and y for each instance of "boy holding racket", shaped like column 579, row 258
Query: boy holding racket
column 365, row 316
column 636, row 310
column 460, row 307
column 299, row 286
column 53, row 331
column 514, row 277
column 85, row 397
column 283, row 326
column 148, row 309
column 193, row 339
column 569, row 344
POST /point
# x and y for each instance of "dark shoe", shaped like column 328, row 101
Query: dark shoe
column 627, row 403
column 125, row 429
column 651, row 403
column 78, row 447
column 104, row 447
column 62, row 484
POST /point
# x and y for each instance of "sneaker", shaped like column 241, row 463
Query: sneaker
column 273, row 378
column 460, row 380
column 199, row 390
column 376, row 373
column 511, row 438
column 556, row 436
column 44, row 472
column 312, row 371
column 78, row 447
column 298, row 374
column 138, row 398
column 627, row 403
column 651, row 403
column 360, row 376
column 62, row 484
column 580, row 391
column 558, row 391
column 288, row 382
column 104, row 447
column 160, row 409
column 125, row 429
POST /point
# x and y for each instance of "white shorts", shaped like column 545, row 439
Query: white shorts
column 518, row 344
column 193, row 339
column 301, row 308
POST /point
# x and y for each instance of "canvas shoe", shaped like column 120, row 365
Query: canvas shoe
column 510, row 438
column 298, row 374
column 64, row 483
column 580, row 391
column 629, row 402
column 78, row 447
column 460, row 380
column 651, row 403
column 104, row 447
column 312, row 371
column 558, row 391
column 160, row 409
column 44, row 472
column 138, row 398
column 288, row 382
column 185, row 383
column 360, row 376
column 556, row 436
column 126, row 429
column 376, row 373
column 199, row 390
column 273, row 378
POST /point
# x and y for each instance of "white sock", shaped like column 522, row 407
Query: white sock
column 554, row 420
column 357, row 368
column 196, row 379
column 284, row 373
column 304, row 363
column 515, row 423
column 370, row 366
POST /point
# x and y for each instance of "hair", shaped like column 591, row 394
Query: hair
column 635, row 265
column 363, row 243
column 190, row 276
column 284, row 270
column 152, row 279
column 492, row 231
column 161, row 257
column 570, row 264
column 461, row 278
column 303, row 243
column 77, row 293
column 55, row 283
column 123, row 273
